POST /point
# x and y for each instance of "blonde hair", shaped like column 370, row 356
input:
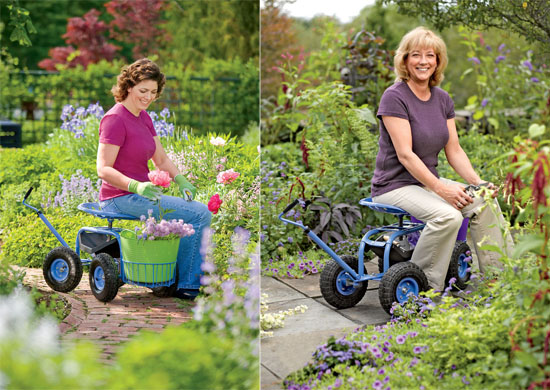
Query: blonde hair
column 420, row 38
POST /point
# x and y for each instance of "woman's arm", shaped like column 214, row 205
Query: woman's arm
column 106, row 157
column 162, row 161
column 457, row 157
column 400, row 133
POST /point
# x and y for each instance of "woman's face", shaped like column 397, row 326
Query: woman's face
column 421, row 64
column 142, row 94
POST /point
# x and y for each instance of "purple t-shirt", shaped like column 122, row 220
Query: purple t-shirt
column 134, row 135
column 428, row 120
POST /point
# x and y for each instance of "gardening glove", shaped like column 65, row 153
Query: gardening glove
column 146, row 189
column 188, row 191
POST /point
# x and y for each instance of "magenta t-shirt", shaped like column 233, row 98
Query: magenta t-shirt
column 134, row 135
column 430, row 134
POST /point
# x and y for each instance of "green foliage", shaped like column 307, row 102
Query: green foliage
column 218, row 30
column 181, row 358
column 19, row 233
column 21, row 23
column 10, row 278
column 482, row 150
column 521, row 17
column 511, row 94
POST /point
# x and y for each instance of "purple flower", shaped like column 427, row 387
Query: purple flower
column 377, row 385
column 400, row 339
column 528, row 64
column 290, row 240
column 475, row 60
column 534, row 79
column 465, row 381
column 489, row 48
column 499, row 58
column 501, row 47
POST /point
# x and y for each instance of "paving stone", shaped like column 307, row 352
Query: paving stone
column 277, row 291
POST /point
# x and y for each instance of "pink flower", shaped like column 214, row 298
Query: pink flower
column 228, row 176
column 214, row 204
column 159, row 178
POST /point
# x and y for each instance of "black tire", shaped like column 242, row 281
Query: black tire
column 62, row 269
column 104, row 277
column 381, row 264
column 331, row 284
column 458, row 266
column 167, row 291
column 407, row 277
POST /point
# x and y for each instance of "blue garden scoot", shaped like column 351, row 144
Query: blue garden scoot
column 344, row 280
column 63, row 266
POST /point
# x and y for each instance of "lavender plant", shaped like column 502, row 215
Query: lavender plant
column 231, row 305
column 78, row 189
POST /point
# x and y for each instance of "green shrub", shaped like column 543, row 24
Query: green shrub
column 181, row 358
column 27, row 240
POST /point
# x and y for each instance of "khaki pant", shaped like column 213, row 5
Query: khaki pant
column 435, row 246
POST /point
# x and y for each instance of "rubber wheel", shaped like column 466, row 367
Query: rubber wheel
column 336, row 285
column 461, row 260
column 381, row 264
column 62, row 269
column 401, row 280
column 167, row 291
column 104, row 277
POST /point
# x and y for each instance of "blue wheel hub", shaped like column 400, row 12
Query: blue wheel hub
column 462, row 266
column 99, row 278
column 59, row 270
column 406, row 287
column 344, row 283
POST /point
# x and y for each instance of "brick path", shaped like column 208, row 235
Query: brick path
column 110, row 324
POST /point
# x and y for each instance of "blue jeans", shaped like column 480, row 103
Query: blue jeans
column 195, row 213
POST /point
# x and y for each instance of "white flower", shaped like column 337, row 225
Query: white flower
column 218, row 141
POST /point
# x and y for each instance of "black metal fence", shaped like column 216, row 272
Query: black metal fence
column 35, row 99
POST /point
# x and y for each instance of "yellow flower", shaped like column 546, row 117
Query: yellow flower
column 524, row 4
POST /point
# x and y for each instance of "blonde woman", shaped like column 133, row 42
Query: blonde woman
column 416, row 123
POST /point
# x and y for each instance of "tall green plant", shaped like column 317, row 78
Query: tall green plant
column 528, row 183
column 511, row 93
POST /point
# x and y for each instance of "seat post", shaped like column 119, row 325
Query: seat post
column 401, row 221
column 110, row 220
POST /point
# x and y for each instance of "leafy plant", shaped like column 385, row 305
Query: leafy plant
column 336, row 221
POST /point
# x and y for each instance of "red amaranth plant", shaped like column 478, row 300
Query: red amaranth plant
column 530, row 164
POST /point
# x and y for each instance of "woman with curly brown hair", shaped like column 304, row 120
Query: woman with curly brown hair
column 416, row 123
column 127, row 141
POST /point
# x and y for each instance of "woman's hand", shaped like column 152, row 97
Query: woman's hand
column 455, row 195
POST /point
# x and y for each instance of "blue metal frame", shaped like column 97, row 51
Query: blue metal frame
column 360, row 276
column 94, row 209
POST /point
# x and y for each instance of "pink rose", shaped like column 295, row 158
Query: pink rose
column 228, row 176
column 159, row 178
column 214, row 204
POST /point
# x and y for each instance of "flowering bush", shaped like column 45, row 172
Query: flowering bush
column 78, row 189
column 512, row 91
column 218, row 141
column 227, row 177
column 162, row 127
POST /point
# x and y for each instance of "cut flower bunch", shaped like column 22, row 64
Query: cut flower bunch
column 163, row 230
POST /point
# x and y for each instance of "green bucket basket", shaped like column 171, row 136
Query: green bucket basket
column 148, row 261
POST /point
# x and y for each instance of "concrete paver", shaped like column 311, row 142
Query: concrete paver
column 292, row 346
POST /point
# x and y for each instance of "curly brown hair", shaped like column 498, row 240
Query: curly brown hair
column 131, row 75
